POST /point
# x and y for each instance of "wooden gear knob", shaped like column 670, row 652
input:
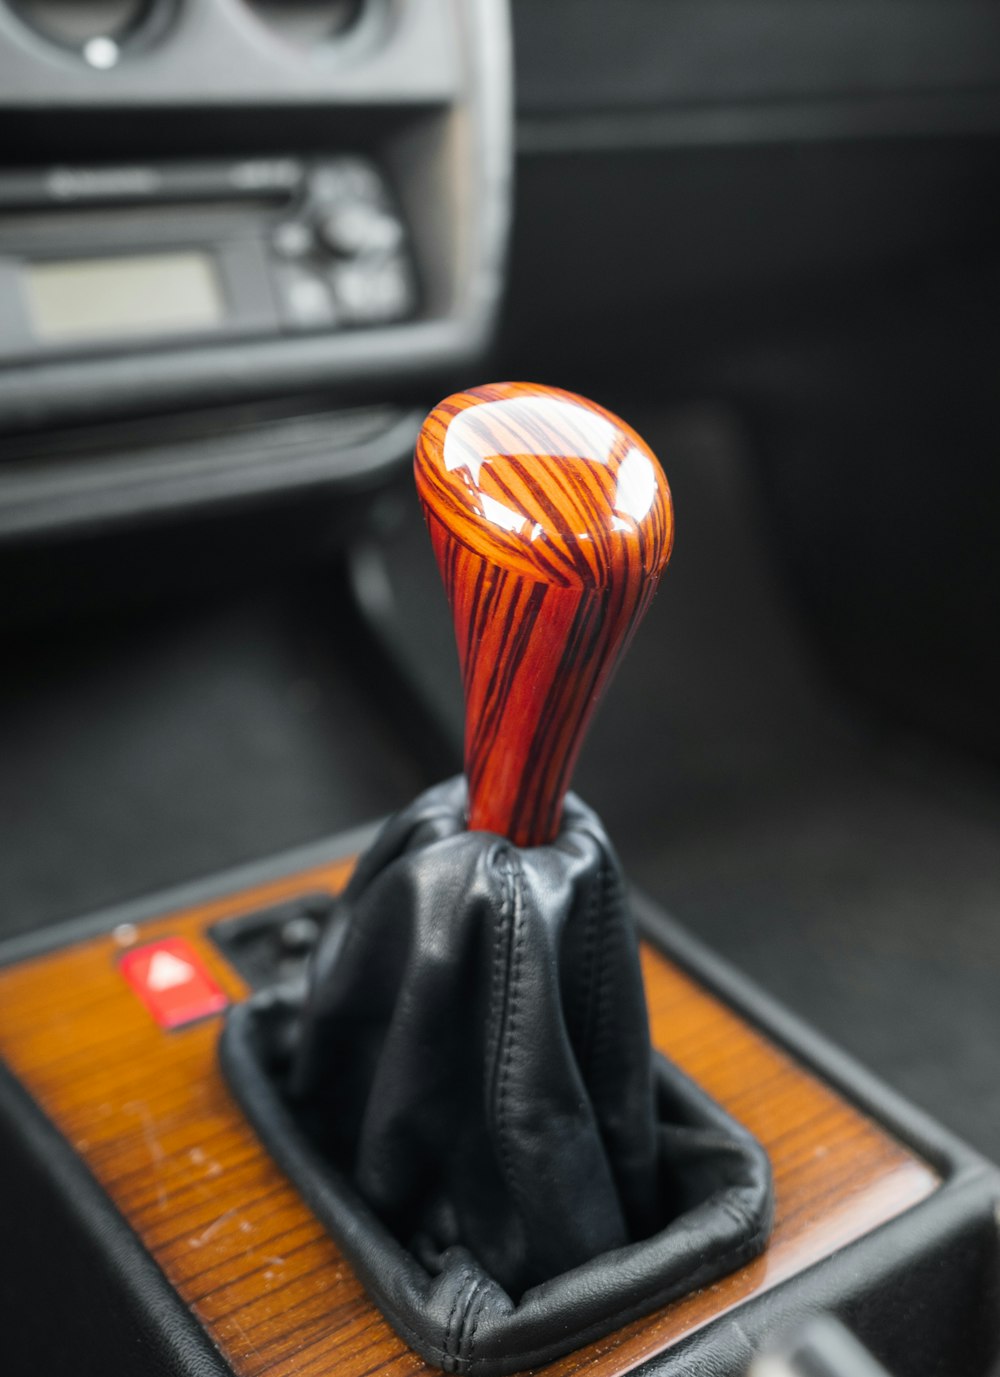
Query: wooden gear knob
column 551, row 522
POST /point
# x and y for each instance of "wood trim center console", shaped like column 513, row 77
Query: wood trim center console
column 148, row 1112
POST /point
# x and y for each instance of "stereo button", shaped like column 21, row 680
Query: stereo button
column 292, row 239
column 306, row 300
column 345, row 179
column 360, row 229
column 373, row 291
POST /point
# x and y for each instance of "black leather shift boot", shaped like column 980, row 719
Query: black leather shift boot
column 466, row 1096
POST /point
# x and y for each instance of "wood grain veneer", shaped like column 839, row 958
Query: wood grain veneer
column 551, row 522
column 150, row 1115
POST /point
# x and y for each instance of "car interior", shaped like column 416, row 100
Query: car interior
column 246, row 248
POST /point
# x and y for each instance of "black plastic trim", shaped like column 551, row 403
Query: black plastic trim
column 201, row 891
column 919, row 115
column 69, row 492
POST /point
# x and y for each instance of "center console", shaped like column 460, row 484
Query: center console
column 183, row 1249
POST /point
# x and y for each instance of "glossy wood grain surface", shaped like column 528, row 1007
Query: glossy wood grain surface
column 150, row 1115
column 551, row 522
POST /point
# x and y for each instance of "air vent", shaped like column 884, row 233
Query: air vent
column 309, row 23
column 98, row 29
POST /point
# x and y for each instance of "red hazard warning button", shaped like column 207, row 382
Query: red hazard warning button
column 170, row 979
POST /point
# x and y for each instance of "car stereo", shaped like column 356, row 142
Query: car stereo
column 105, row 259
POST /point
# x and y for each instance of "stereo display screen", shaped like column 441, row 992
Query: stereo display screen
column 142, row 294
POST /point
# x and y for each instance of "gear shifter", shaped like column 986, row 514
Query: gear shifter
column 551, row 522
column 464, row 1088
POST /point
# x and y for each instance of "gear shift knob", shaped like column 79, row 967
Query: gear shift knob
column 551, row 522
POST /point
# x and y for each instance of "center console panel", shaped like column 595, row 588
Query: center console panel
column 222, row 135
column 235, row 203
column 183, row 1250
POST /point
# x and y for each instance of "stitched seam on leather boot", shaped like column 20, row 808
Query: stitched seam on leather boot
column 470, row 1323
column 589, row 994
column 607, row 917
column 498, row 982
column 451, row 1358
column 508, row 1036
column 503, row 1000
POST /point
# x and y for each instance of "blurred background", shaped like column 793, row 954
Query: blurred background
column 763, row 231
